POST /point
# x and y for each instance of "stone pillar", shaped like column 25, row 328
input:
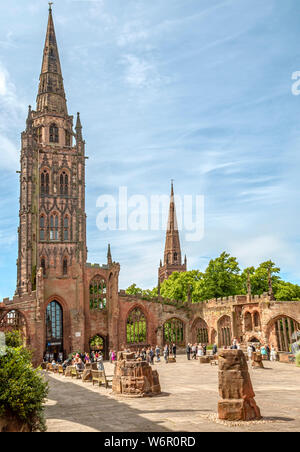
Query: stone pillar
column 235, row 388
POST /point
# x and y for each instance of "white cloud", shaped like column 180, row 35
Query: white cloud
column 9, row 154
column 131, row 34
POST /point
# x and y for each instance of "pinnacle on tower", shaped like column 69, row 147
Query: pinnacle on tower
column 109, row 258
column 51, row 95
column 78, row 128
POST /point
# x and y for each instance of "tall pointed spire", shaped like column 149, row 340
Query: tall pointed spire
column 51, row 96
column 172, row 246
column 172, row 254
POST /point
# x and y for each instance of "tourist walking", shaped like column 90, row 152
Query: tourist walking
column 194, row 351
column 188, row 351
column 268, row 352
column 157, row 353
column 200, row 351
column 273, row 355
column 100, row 364
column 166, row 354
column 174, row 350
column 215, row 349
column 151, row 355
column 204, row 349
column 249, row 351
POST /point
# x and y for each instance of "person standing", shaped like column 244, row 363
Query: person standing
column 174, row 350
column 273, row 355
column 166, row 354
column 194, row 351
column 215, row 349
column 151, row 356
column 157, row 353
column 188, row 352
column 100, row 365
column 204, row 349
column 268, row 352
column 249, row 351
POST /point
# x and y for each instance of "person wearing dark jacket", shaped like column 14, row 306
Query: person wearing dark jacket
column 188, row 351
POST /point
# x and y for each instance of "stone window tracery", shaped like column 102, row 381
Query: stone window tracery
column 53, row 134
column 42, row 228
column 45, row 183
column 66, row 228
column 98, row 293
column 64, row 183
column 136, row 327
column 54, row 230
column 174, row 331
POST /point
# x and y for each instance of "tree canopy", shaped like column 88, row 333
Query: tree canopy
column 222, row 278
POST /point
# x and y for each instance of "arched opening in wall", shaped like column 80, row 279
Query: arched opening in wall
column 224, row 331
column 248, row 322
column 254, row 341
column 65, row 267
column 256, row 319
column 99, row 343
column 53, row 134
column 54, row 348
column 98, row 293
column 136, row 328
column 174, row 332
column 213, row 336
column 14, row 321
column 200, row 332
column 285, row 331
column 45, row 183
column 64, row 183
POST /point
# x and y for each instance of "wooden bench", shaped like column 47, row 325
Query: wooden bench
column 214, row 362
column 61, row 370
column 99, row 377
column 76, row 374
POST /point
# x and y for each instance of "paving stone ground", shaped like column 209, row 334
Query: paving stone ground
column 188, row 402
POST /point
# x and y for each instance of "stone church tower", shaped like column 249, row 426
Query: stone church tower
column 52, row 232
column 172, row 255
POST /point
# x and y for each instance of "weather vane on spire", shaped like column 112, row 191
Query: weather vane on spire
column 50, row 6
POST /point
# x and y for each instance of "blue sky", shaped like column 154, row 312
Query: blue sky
column 195, row 90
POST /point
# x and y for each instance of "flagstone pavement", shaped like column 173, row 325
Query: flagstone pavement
column 188, row 402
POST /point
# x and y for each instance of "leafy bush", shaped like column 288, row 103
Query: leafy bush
column 298, row 359
column 22, row 389
column 13, row 339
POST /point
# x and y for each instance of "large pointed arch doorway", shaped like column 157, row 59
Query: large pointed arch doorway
column 54, row 332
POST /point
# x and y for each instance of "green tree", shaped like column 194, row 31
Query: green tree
column 285, row 291
column 179, row 285
column 259, row 277
column 22, row 388
column 134, row 290
column 221, row 278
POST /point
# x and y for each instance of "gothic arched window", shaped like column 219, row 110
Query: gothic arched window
column 68, row 138
column 43, row 265
column 175, row 257
column 174, row 331
column 54, row 323
column 136, row 327
column 53, row 134
column 65, row 266
column 42, row 228
column 54, row 227
column 97, row 293
column 45, row 183
column 66, row 229
column 64, row 183
column 39, row 134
